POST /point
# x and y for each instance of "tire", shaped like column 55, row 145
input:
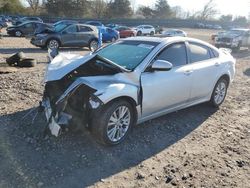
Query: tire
column 28, row 62
column 15, row 58
column 139, row 33
column 93, row 45
column 152, row 33
column 101, row 119
column 18, row 33
column 219, row 92
column 113, row 39
column 53, row 43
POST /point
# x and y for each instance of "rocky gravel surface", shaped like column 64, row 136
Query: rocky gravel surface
column 196, row 147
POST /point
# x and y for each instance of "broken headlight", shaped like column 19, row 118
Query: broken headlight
column 94, row 102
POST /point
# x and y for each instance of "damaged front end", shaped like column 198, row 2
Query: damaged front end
column 72, row 98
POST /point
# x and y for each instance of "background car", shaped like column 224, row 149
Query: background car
column 125, row 31
column 234, row 39
column 95, row 23
column 26, row 19
column 173, row 33
column 68, row 35
column 109, row 34
column 145, row 30
column 26, row 28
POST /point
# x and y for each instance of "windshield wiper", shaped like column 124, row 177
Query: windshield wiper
column 112, row 63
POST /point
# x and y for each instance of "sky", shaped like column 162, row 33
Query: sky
column 235, row 7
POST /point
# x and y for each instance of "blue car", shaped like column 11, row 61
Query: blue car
column 109, row 34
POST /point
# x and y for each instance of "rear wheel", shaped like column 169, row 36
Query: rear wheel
column 114, row 122
column 219, row 92
column 93, row 45
column 152, row 33
column 139, row 33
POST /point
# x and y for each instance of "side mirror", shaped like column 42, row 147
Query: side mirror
column 161, row 65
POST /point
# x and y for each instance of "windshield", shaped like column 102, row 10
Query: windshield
column 128, row 54
column 236, row 32
column 60, row 27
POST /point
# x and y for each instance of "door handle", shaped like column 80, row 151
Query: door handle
column 188, row 72
column 217, row 64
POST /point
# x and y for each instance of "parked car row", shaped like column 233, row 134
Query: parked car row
column 207, row 26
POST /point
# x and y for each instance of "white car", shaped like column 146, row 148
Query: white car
column 131, row 81
column 145, row 30
column 174, row 33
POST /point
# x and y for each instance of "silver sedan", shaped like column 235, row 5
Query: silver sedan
column 132, row 81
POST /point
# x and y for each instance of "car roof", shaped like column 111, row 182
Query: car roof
column 167, row 40
column 239, row 29
column 87, row 25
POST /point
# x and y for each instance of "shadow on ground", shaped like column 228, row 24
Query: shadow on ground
column 75, row 159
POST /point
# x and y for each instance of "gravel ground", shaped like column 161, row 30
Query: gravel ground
column 196, row 147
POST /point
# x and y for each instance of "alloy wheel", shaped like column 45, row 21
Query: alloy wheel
column 53, row 44
column 220, row 93
column 118, row 123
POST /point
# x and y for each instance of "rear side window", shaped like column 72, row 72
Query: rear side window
column 175, row 54
column 71, row 29
column 84, row 29
column 198, row 52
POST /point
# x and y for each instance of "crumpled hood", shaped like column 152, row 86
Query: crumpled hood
column 64, row 63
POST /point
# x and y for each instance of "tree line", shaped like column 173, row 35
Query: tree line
column 113, row 9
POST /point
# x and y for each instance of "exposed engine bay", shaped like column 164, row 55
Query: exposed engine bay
column 69, row 100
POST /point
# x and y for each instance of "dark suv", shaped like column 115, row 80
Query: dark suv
column 68, row 35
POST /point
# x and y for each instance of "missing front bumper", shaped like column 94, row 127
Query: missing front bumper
column 55, row 120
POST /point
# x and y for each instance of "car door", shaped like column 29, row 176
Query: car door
column 246, row 39
column 83, row 35
column 69, row 36
column 27, row 29
column 205, row 67
column 164, row 90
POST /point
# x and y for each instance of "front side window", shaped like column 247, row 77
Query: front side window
column 175, row 54
column 128, row 54
column 198, row 52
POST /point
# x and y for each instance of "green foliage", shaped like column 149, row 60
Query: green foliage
column 67, row 8
column 162, row 9
column 226, row 18
column 11, row 7
column 147, row 12
column 119, row 9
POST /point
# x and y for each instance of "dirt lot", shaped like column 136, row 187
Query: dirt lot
column 196, row 147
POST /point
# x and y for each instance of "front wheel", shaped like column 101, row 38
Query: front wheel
column 152, row 33
column 113, row 124
column 219, row 92
column 18, row 33
column 53, row 44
